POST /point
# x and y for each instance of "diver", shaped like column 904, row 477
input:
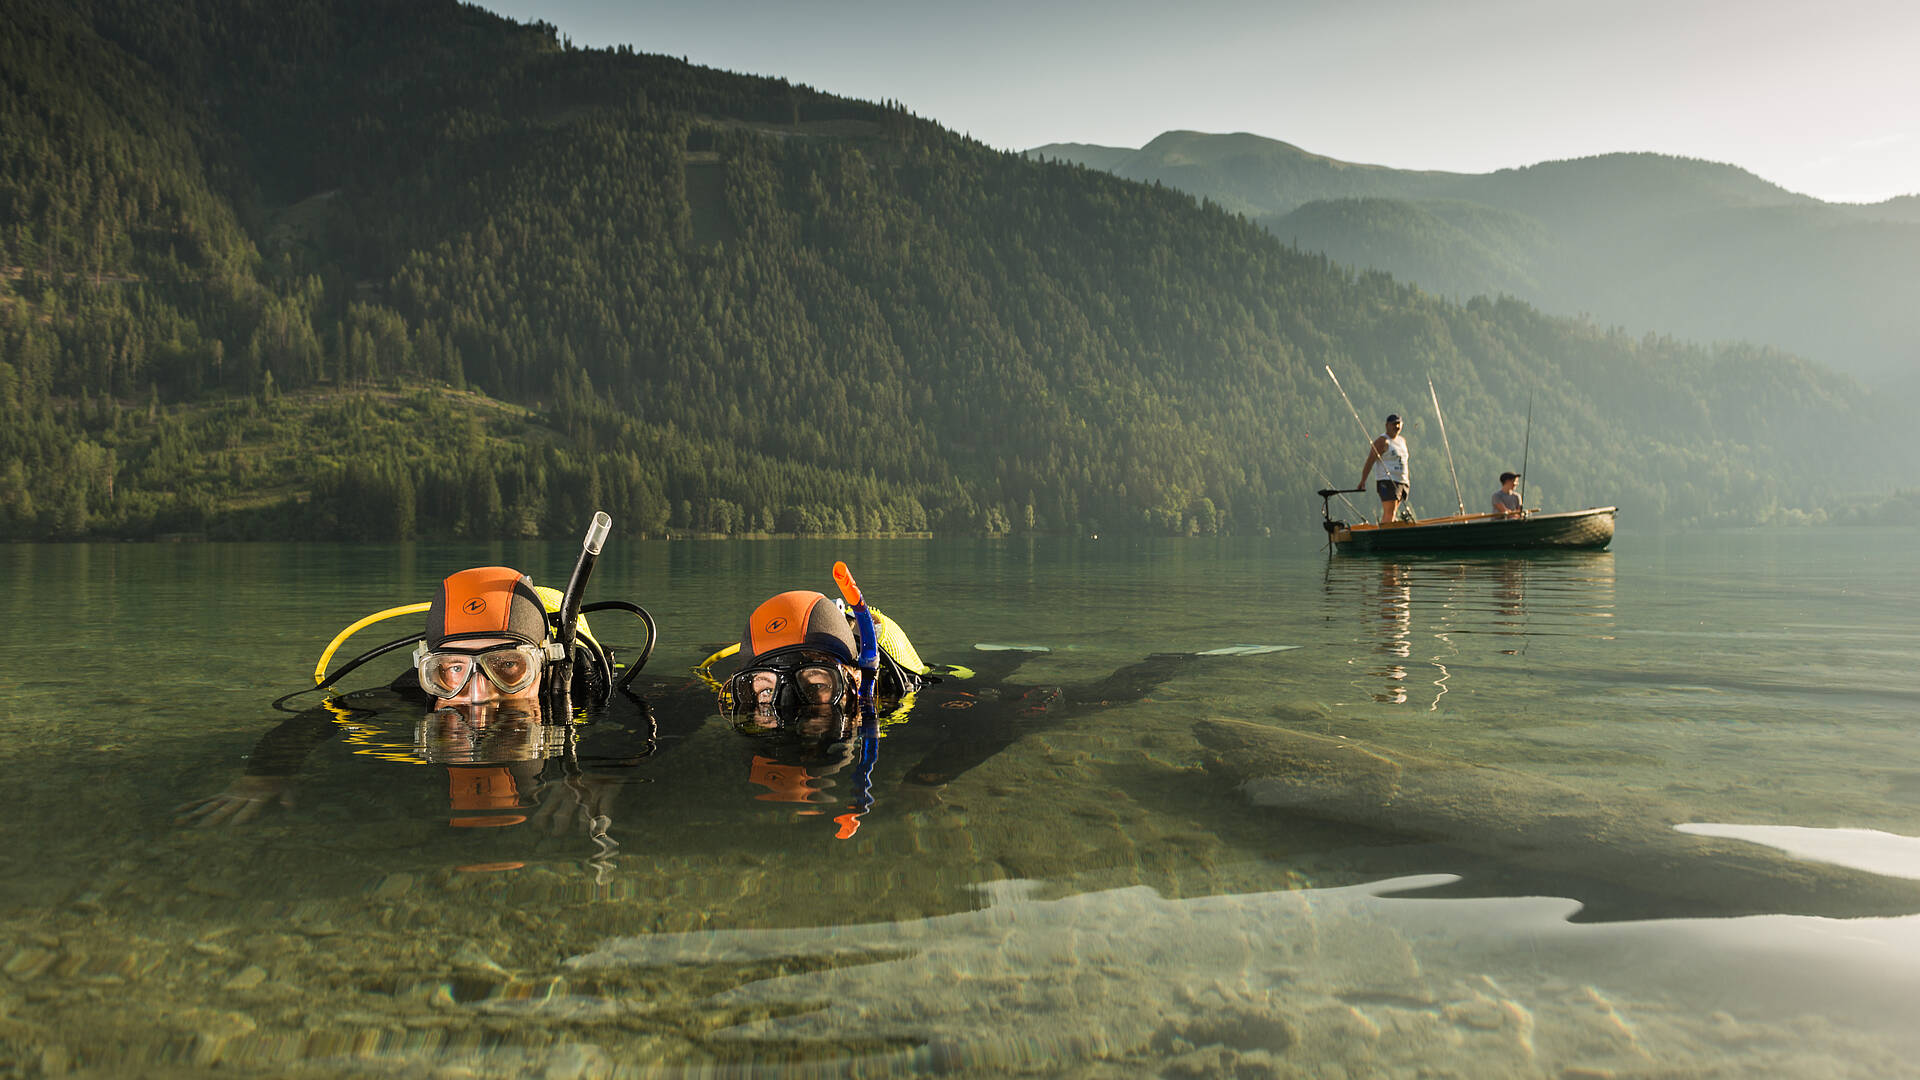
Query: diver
column 496, row 671
column 483, row 670
column 813, row 678
column 801, row 649
column 820, row 680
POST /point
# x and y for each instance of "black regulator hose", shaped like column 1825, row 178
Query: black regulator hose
column 653, row 635
column 373, row 653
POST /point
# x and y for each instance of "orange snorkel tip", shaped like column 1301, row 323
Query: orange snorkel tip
column 869, row 642
column 849, row 591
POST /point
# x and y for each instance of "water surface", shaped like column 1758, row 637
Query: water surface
column 1097, row 898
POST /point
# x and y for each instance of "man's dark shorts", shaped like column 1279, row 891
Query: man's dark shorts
column 1391, row 490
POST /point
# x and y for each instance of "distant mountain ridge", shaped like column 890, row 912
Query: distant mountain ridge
column 1249, row 174
column 1653, row 242
column 1691, row 183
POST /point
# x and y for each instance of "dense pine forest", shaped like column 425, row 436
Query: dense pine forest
column 378, row 269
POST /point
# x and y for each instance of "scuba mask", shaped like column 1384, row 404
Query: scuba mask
column 777, row 687
column 446, row 671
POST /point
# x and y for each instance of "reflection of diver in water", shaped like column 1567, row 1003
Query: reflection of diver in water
column 499, row 674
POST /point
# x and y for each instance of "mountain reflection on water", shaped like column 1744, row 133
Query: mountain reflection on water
column 1087, row 896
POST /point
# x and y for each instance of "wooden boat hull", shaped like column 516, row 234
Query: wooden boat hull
column 1590, row 529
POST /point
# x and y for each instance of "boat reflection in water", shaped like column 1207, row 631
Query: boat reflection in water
column 1413, row 608
column 1396, row 637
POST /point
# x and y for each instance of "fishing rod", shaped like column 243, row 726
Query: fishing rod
column 1524, row 447
column 1364, row 433
column 1461, row 500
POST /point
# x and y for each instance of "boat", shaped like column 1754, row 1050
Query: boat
column 1589, row 529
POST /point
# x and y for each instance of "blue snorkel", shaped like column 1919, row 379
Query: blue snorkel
column 869, row 659
column 869, row 662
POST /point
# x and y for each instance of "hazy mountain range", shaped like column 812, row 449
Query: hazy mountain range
column 1653, row 243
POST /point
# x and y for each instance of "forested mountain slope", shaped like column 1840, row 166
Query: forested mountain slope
column 259, row 257
column 1673, row 245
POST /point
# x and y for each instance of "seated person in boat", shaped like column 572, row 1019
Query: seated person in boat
column 1394, row 483
column 1506, row 501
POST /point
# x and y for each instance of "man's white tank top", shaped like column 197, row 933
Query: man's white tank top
column 1393, row 463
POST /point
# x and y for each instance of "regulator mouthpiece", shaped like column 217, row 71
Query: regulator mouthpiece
column 597, row 532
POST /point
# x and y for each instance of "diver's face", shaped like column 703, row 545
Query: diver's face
column 806, row 690
column 480, row 690
column 813, row 678
column 813, row 684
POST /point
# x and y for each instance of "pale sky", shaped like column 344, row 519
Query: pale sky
column 1819, row 97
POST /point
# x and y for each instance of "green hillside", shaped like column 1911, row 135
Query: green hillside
column 1479, row 250
column 1673, row 245
column 381, row 268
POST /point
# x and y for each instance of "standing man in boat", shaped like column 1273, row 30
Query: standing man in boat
column 1394, row 482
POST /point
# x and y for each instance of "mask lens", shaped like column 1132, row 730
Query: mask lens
column 819, row 684
column 747, row 691
column 444, row 674
column 510, row 668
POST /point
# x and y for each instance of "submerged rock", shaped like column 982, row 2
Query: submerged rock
column 1620, row 838
column 247, row 979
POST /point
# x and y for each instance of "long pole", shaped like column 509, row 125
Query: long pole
column 1524, row 447
column 1364, row 433
column 1444, row 442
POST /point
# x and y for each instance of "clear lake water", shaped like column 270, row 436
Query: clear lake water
column 1653, row 811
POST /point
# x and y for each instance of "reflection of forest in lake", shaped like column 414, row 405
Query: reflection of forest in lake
column 1407, row 612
